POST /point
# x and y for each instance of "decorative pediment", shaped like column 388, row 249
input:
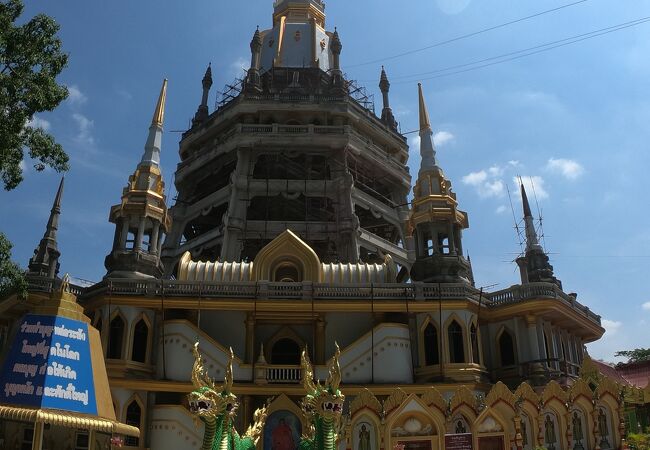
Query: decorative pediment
column 554, row 390
column 433, row 398
column 608, row 386
column 526, row 392
column 500, row 392
column 394, row 400
column 365, row 399
column 589, row 370
column 580, row 388
column 463, row 396
column 287, row 252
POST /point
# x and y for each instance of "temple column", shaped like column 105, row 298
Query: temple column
column 37, row 439
column 320, row 341
column 153, row 244
column 124, row 233
column 140, row 235
column 250, row 338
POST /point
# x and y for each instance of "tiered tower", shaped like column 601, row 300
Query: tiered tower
column 435, row 218
column 45, row 262
column 296, row 148
column 534, row 265
column 141, row 219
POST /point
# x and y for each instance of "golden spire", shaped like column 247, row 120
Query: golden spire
column 159, row 114
column 424, row 114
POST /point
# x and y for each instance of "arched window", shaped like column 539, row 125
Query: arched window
column 116, row 338
column 506, row 349
column 431, row 357
column 140, row 341
column 285, row 351
column 455, row 337
column 133, row 418
column 473, row 335
column 287, row 273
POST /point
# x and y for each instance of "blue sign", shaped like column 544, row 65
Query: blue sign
column 49, row 366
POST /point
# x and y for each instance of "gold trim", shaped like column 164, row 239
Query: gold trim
column 67, row 420
column 159, row 114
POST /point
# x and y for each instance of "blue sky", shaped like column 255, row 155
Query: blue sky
column 574, row 119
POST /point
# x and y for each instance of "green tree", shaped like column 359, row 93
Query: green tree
column 11, row 276
column 30, row 60
column 636, row 355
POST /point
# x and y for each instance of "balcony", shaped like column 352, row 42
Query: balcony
column 277, row 374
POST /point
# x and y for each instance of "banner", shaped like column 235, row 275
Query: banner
column 49, row 366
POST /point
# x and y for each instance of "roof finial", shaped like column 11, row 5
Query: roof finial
column 424, row 114
column 532, row 242
column 427, row 148
column 159, row 114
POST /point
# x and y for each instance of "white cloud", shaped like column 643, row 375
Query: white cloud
column 535, row 186
column 487, row 183
column 443, row 137
column 238, row 66
column 611, row 326
column 646, row 306
column 475, row 178
column 568, row 168
column 84, row 136
column 501, row 209
column 75, row 96
column 514, row 163
column 37, row 122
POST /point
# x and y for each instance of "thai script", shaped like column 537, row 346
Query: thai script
column 37, row 328
column 58, row 370
column 69, row 393
column 14, row 389
column 77, row 334
column 64, row 352
column 40, row 348
column 26, row 369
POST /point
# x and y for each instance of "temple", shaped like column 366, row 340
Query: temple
column 294, row 229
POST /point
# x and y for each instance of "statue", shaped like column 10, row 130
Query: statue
column 364, row 438
column 577, row 432
column 322, row 406
column 216, row 405
column 549, row 433
column 602, row 428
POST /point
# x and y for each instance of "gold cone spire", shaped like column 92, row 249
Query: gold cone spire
column 159, row 114
column 424, row 114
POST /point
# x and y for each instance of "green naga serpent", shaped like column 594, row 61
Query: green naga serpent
column 216, row 407
column 322, row 406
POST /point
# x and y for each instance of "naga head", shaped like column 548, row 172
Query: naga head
column 324, row 400
column 207, row 400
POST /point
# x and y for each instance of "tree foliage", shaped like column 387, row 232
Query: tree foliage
column 636, row 355
column 11, row 276
column 30, row 60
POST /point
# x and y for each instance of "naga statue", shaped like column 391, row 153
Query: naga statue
column 216, row 407
column 322, row 406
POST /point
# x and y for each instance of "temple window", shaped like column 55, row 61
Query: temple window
column 133, row 418
column 287, row 273
column 28, row 438
column 285, row 351
column 140, row 341
column 116, row 338
column 81, row 440
column 455, row 337
column 506, row 349
column 473, row 334
column 431, row 357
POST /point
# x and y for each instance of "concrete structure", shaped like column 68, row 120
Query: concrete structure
column 292, row 228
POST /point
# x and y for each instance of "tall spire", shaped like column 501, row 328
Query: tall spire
column 534, row 265
column 386, row 113
column 45, row 261
column 427, row 149
column 202, row 112
column 141, row 218
column 532, row 242
column 151, row 154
